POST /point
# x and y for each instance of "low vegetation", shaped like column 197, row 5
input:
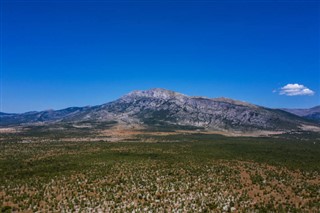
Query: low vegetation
column 172, row 173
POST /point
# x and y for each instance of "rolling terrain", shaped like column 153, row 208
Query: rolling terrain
column 164, row 109
column 160, row 151
column 312, row 114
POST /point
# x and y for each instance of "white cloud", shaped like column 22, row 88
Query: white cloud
column 295, row 89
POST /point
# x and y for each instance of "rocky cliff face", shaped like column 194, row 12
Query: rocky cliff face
column 160, row 107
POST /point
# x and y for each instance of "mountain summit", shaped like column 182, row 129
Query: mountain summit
column 155, row 93
column 164, row 108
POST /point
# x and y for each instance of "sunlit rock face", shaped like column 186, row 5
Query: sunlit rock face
column 161, row 107
column 164, row 107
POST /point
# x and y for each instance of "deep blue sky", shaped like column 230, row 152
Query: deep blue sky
column 57, row 54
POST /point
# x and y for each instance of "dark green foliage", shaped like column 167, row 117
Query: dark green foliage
column 6, row 209
column 180, row 158
column 18, row 160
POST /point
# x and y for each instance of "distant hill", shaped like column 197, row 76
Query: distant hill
column 311, row 114
column 160, row 108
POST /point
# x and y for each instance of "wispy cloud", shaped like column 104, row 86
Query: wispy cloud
column 295, row 89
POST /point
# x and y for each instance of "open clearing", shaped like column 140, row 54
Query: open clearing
column 190, row 173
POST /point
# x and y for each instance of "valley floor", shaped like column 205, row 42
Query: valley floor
column 197, row 173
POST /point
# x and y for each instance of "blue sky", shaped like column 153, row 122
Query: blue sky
column 57, row 54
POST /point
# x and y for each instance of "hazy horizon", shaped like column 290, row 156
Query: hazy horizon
column 58, row 54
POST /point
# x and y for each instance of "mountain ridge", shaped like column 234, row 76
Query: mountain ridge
column 312, row 114
column 160, row 108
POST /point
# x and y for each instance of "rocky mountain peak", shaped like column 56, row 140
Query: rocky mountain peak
column 163, row 108
column 157, row 93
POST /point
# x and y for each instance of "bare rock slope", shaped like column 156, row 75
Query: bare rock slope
column 164, row 108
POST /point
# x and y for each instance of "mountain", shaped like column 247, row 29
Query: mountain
column 34, row 116
column 160, row 108
column 311, row 114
